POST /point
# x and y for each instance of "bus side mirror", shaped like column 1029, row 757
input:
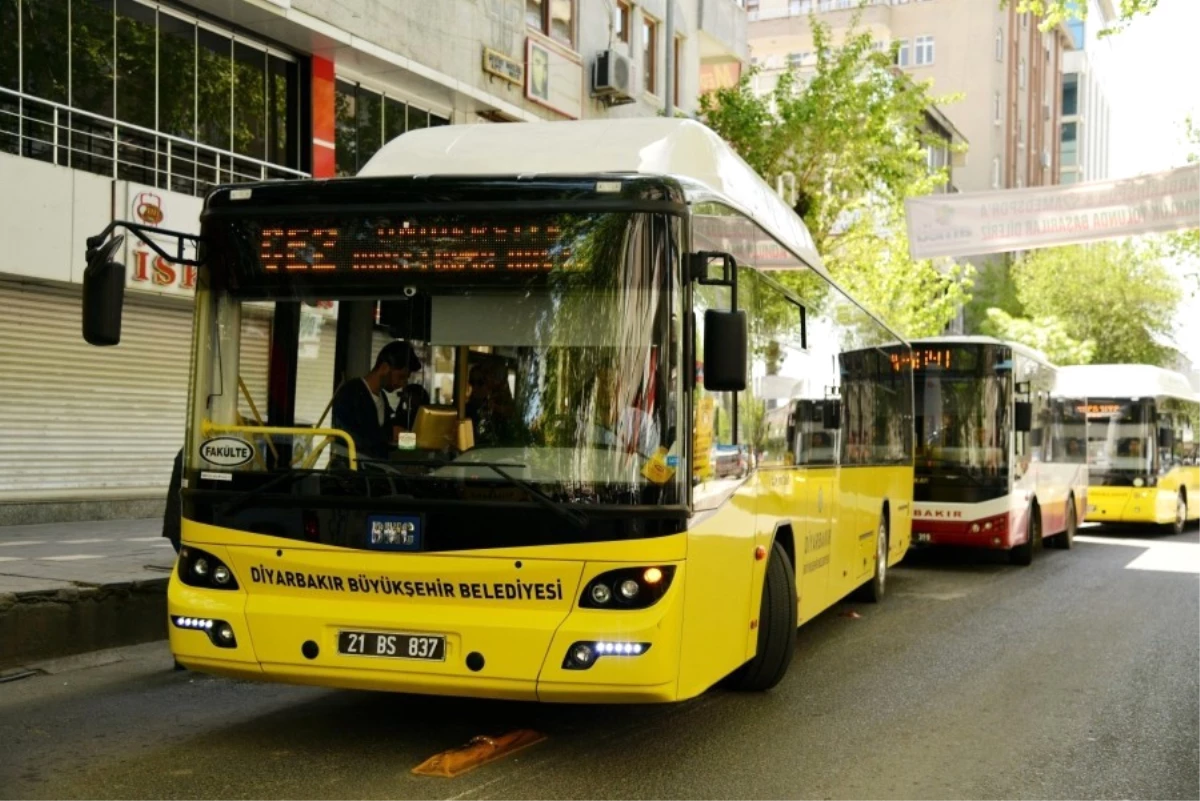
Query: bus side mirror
column 1023, row 416
column 103, row 295
column 1035, row 438
column 831, row 415
column 725, row 359
column 1166, row 438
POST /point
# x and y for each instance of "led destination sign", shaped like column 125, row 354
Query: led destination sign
column 403, row 247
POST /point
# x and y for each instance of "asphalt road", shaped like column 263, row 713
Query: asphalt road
column 1077, row 677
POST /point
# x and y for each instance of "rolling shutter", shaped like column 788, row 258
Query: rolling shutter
column 78, row 421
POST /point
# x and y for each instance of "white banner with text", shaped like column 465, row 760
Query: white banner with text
column 978, row 223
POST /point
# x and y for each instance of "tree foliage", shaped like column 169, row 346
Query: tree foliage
column 1047, row 334
column 1054, row 12
column 1186, row 244
column 1116, row 294
column 853, row 133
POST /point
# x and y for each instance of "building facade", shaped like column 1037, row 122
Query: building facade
column 1007, row 71
column 134, row 109
column 1086, row 110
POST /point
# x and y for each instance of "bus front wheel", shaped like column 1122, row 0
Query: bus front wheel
column 1067, row 538
column 1023, row 554
column 872, row 591
column 1181, row 510
column 776, row 628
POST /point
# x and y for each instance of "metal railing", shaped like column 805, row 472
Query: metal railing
column 59, row 134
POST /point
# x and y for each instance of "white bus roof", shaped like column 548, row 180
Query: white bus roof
column 976, row 339
column 1122, row 381
column 682, row 149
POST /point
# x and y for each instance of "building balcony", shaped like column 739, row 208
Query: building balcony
column 722, row 31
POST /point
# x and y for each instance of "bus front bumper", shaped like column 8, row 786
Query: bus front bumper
column 992, row 533
column 488, row 653
column 1129, row 505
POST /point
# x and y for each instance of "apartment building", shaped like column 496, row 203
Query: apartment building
column 135, row 109
column 1086, row 107
column 1008, row 71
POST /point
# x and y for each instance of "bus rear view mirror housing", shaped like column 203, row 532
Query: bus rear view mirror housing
column 1023, row 416
column 103, row 294
column 831, row 414
column 724, row 351
column 725, row 332
column 1166, row 438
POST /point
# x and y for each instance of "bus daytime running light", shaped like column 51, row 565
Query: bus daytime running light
column 582, row 655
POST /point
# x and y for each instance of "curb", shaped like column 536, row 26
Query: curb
column 49, row 624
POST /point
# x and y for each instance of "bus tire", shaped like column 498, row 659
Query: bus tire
column 776, row 628
column 1181, row 509
column 872, row 591
column 1022, row 555
column 1066, row 539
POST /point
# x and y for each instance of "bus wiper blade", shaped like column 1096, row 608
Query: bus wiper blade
column 571, row 516
column 239, row 502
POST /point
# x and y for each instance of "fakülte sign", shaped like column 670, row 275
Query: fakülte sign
column 226, row 451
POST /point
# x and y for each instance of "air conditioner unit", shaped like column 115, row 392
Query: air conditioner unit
column 612, row 78
column 1046, row 159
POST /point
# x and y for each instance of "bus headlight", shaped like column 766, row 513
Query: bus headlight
column 628, row 588
column 582, row 655
column 199, row 568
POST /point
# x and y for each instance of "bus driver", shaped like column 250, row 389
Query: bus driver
column 361, row 408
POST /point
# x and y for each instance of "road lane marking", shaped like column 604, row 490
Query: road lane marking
column 12, row 558
column 144, row 539
column 21, row 542
column 1162, row 557
column 87, row 541
column 69, row 558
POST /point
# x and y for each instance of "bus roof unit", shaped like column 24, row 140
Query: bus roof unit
column 1122, row 381
column 700, row 160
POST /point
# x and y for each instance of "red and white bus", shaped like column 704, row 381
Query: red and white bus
column 1000, row 463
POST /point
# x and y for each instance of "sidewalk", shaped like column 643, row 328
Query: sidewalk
column 66, row 588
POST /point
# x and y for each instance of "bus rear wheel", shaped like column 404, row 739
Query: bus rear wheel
column 1022, row 555
column 1067, row 538
column 776, row 628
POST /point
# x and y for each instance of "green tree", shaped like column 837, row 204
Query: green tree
column 1116, row 294
column 993, row 288
column 854, row 136
column 1054, row 12
column 1047, row 334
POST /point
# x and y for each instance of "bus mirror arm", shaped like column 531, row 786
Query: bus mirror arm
column 143, row 233
column 725, row 332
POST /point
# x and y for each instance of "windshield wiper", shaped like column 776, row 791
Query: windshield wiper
column 240, row 501
column 535, row 494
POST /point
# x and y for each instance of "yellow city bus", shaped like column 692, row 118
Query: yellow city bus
column 1142, row 426
column 589, row 325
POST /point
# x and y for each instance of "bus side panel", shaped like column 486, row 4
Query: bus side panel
column 1187, row 477
column 721, row 571
column 863, row 491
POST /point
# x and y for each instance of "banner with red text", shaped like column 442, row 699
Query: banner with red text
column 977, row 223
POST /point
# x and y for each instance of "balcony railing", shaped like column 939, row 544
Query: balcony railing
column 35, row 128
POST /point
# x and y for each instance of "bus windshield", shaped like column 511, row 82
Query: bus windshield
column 963, row 394
column 1121, row 439
column 544, row 358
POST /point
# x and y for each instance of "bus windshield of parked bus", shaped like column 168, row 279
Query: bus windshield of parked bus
column 963, row 395
column 1121, row 439
column 544, row 357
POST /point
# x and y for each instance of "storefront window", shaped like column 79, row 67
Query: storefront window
column 131, row 68
column 249, row 101
column 366, row 120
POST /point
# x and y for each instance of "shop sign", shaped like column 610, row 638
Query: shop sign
column 145, row 270
column 500, row 65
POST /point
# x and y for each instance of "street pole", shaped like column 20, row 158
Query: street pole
column 669, row 105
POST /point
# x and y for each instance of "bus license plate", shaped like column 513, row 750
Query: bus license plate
column 427, row 647
column 922, row 537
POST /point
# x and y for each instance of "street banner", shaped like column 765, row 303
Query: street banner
column 976, row 223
